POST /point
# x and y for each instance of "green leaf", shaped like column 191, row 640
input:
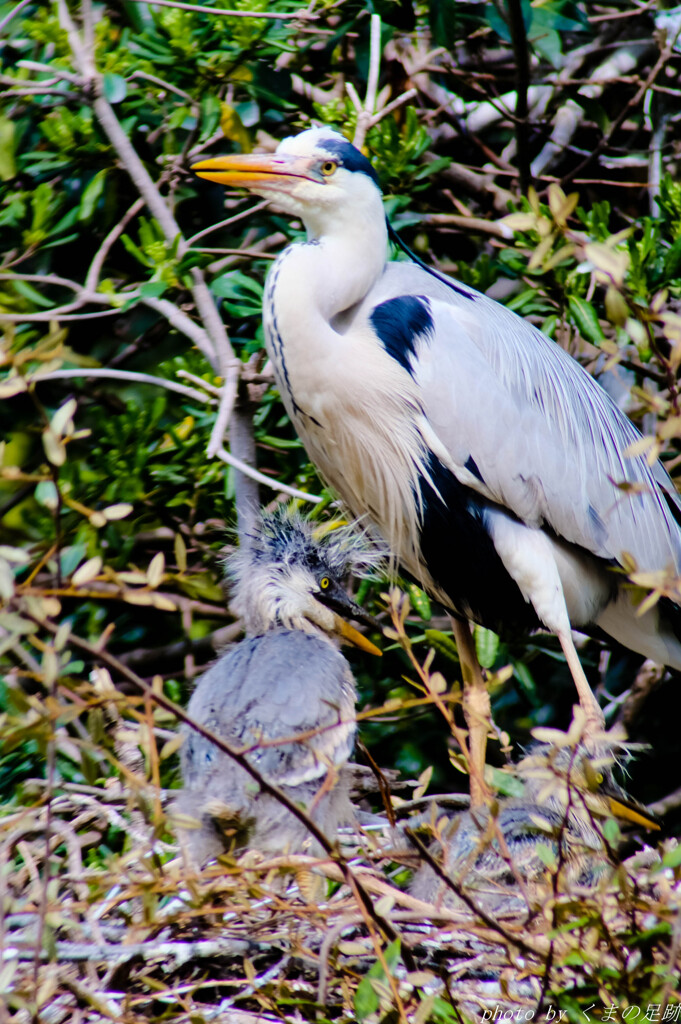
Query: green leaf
column 443, row 644
column 153, row 289
column 91, row 195
column 486, row 646
column 8, row 167
column 115, row 87
column 672, row 858
column 366, row 1000
column 419, row 601
column 586, row 319
column 526, row 679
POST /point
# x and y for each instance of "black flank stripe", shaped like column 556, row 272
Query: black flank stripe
column 462, row 559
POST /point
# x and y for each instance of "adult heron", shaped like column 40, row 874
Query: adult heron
column 287, row 679
column 486, row 456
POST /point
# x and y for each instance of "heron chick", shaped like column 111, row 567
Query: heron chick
column 499, row 472
column 285, row 695
column 503, row 858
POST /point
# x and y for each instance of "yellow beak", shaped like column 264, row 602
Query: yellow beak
column 631, row 812
column 256, row 170
column 353, row 636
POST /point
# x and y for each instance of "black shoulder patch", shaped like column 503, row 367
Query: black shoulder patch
column 349, row 156
column 399, row 323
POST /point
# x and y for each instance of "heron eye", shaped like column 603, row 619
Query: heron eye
column 325, row 583
column 599, row 778
column 328, row 167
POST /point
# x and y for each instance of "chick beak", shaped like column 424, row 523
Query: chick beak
column 626, row 809
column 353, row 636
column 257, row 170
column 632, row 813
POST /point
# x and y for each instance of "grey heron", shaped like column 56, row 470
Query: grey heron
column 286, row 679
column 486, row 456
column 568, row 795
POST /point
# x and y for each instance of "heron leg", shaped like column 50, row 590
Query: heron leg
column 595, row 718
column 476, row 708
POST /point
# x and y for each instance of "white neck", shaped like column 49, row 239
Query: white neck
column 333, row 272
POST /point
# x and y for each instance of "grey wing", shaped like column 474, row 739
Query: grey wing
column 272, row 688
column 545, row 439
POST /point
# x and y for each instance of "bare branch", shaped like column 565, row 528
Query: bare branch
column 128, row 375
column 299, row 16
column 276, row 485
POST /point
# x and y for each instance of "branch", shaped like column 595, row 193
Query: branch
column 365, row 111
column 276, row 485
column 130, row 375
column 182, row 323
column 349, row 877
column 13, row 13
column 300, row 16
column 520, row 50
column 92, row 279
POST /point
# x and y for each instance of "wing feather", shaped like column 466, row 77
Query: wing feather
column 547, row 439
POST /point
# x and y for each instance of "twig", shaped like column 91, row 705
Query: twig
column 522, row 61
column 48, row 69
column 183, row 323
column 393, row 105
column 276, row 485
column 299, row 16
column 130, row 375
column 247, row 495
column 225, row 411
column 95, row 269
column 622, row 116
column 100, row 655
column 164, row 85
column 13, row 13
column 225, row 223
column 366, row 110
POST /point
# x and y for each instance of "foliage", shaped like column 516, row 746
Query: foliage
column 117, row 507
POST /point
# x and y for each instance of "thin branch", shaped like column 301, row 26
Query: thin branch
column 129, row 375
column 374, row 64
column 299, row 16
column 181, row 322
column 102, row 656
column 164, row 85
column 366, row 110
column 225, row 223
column 276, row 485
column 47, row 69
column 516, row 24
column 623, row 115
column 92, row 279
column 13, row 13
column 393, row 105
column 136, row 169
column 225, row 410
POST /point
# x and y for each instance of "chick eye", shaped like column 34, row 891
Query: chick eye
column 325, row 583
column 328, row 167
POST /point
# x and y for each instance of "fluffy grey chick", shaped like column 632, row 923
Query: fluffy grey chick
column 287, row 679
column 567, row 796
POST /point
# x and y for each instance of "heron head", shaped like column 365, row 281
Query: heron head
column 580, row 781
column 291, row 576
column 317, row 175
